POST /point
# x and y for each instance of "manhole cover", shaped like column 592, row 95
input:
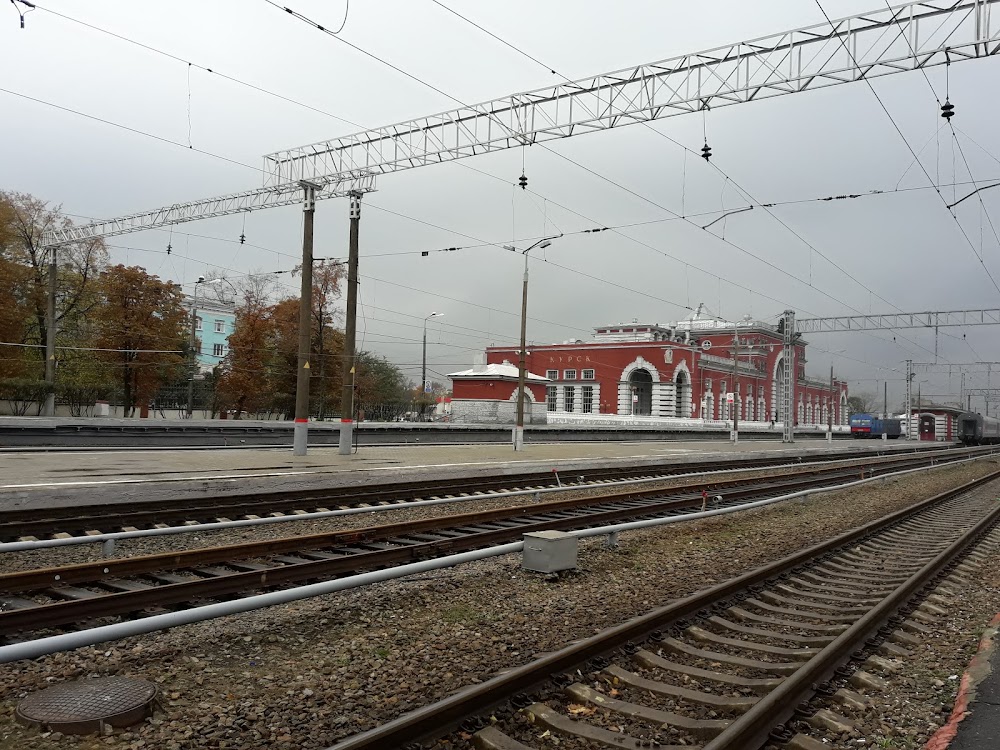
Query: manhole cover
column 81, row 707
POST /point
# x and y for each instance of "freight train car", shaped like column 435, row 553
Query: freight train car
column 975, row 429
column 868, row 426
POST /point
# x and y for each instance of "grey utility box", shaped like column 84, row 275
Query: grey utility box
column 549, row 551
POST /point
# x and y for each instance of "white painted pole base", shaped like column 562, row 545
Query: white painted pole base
column 300, row 437
column 734, row 437
column 517, row 437
column 346, row 437
column 829, row 436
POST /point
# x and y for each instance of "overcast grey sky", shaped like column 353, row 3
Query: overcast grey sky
column 905, row 247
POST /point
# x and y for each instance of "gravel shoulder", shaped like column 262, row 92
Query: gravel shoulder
column 307, row 674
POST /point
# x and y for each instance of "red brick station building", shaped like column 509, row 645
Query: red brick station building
column 650, row 372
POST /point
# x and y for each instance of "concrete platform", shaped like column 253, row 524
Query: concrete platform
column 122, row 475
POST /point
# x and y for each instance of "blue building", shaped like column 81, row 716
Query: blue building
column 215, row 320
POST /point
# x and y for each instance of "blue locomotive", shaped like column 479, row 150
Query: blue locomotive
column 869, row 426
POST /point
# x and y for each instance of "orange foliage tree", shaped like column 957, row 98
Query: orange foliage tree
column 141, row 322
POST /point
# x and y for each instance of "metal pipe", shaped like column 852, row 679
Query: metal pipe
column 68, row 641
column 220, row 525
column 92, row 636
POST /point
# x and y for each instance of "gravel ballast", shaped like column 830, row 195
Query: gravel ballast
column 307, row 674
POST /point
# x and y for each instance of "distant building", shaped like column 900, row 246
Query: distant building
column 215, row 321
column 680, row 371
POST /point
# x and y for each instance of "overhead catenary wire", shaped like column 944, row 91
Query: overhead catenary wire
column 902, row 137
column 738, row 285
column 146, row 134
column 715, row 275
column 728, row 179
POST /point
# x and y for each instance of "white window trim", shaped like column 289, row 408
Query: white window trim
column 586, row 377
column 569, row 374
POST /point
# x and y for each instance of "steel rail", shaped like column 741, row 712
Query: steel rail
column 734, row 489
column 468, row 529
column 83, row 518
column 751, row 730
column 101, row 605
column 100, row 634
column 443, row 716
column 277, row 517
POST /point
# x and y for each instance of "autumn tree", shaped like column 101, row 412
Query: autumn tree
column 142, row 324
column 261, row 369
column 244, row 383
column 14, row 357
column 327, row 342
column 24, row 272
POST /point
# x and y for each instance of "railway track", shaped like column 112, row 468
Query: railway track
column 735, row 666
column 46, row 523
column 35, row 602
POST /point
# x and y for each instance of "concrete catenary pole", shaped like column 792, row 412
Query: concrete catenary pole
column 300, row 438
column 350, row 331
column 49, row 408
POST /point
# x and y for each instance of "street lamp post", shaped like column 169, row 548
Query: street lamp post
column 518, row 436
column 194, row 354
column 423, row 365
column 735, row 437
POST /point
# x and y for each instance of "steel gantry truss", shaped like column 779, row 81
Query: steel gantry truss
column 869, row 45
column 224, row 205
column 989, row 317
column 883, row 42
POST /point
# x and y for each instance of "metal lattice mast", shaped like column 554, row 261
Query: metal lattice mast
column 787, row 390
column 882, row 42
column 909, row 398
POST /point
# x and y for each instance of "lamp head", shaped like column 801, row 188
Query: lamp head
column 200, row 280
column 510, row 247
column 545, row 244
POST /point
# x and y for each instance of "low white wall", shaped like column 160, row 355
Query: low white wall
column 613, row 420
column 481, row 411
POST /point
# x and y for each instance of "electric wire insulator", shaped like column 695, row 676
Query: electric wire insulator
column 947, row 110
column 243, row 238
column 522, row 181
column 706, row 152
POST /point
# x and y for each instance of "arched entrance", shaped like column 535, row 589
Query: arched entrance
column 640, row 384
column 682, row 395
column 777, row 407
